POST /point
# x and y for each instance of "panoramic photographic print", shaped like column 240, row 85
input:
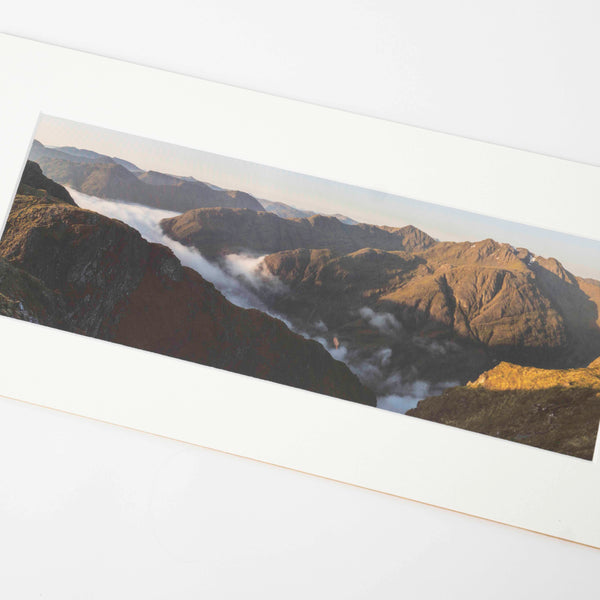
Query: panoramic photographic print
column 435, row 313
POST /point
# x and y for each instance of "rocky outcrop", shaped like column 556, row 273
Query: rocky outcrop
column 96, row 276
column 102, row 176
column 220, row 231
column 556, row 410
column 33, row 181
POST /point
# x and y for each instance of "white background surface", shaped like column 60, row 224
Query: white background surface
column 92, row 511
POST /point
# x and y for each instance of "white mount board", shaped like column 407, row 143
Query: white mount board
column 514, row 484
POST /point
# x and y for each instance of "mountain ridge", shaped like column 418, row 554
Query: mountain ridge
column 105, row 177
column 221, row 231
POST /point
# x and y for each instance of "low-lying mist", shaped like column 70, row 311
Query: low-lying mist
column 147, row 221
column 376, row 372
column 245, row 281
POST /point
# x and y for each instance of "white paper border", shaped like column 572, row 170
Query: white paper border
column 471, row 473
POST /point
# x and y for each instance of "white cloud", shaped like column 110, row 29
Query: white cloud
column 339, row 353
column 384, row 322
column 147, row 221
column 320, row 326
column 395, row 403
column 410, row 394
column 253, row 272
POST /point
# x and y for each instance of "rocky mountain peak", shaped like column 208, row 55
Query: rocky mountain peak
column 33, row 181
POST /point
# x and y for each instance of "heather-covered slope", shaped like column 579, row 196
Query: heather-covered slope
column 556, row 410
column 106, row 281
column 218, row 231
column 98, row 175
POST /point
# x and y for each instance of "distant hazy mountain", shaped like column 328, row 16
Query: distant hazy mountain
column 70, row 153
column 79, row 153
column 64, row 165
column 287, row 211
column 156, row 178
column 99, row 175
column 125, row 163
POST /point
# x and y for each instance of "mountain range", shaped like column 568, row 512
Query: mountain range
column 454, row 309
column 114, row 178
column 80, row 271
column 105, row 177
column 514, row 336
column 99, row 175
column 219, row 231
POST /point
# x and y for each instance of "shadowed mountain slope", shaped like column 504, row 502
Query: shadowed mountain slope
column 89, row 274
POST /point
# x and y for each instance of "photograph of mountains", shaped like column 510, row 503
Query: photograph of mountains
column 439, row 314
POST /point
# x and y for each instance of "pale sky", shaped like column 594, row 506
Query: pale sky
column 579, row 255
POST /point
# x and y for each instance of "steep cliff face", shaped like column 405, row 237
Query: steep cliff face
column 105, row 177
column 218, row 231
column 93, row 275
column 557, row 410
